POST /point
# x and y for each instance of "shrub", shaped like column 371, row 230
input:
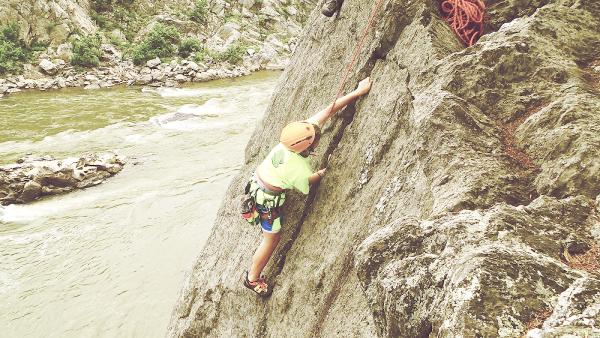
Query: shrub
column 200, row 12
column 10, row 32
column 201, row 55
column 234, row 54
column 189, row 47
column 13, row 52
column 86, row 51
column 100, row 6
column 161, row 42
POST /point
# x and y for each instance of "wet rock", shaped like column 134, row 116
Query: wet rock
column 31, row 191
column 31, row 178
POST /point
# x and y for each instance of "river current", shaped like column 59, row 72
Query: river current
column 109, row 261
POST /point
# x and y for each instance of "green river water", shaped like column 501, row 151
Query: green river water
column 109, row 261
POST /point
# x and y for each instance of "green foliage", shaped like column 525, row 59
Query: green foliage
column 10, row 32
column 189, row 46
column 161, row 42
column 200, row 12
column 101, row 20
column 13, row 52
column 101, row 6
column 117, row 14
column 234, row 54
column 201, row 55
column 86, row 51
column 39, row 45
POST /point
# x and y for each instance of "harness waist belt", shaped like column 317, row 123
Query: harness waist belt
column 263, row 186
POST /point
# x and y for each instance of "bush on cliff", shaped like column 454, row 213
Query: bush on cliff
column 189, row 47
column 200, row 12
column 233, row 54
column 160, row 42
column 86, row 51
column 13, row 52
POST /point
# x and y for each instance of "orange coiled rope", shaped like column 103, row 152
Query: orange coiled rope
column 465, row 18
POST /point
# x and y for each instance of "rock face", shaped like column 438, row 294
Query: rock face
column 457, row 194
column 49, row 21
column 32, row 178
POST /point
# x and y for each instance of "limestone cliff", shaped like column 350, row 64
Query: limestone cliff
column 461, row 197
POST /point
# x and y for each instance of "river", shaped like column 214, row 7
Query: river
column 109, row 261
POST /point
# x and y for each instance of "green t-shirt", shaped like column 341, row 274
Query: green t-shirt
column 286, row 169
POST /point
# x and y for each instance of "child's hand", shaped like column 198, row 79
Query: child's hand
column 321, row 172
column 364, row 86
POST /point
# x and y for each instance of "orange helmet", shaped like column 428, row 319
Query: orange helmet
column 298, row 136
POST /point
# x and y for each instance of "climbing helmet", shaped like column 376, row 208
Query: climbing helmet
column 298, row 136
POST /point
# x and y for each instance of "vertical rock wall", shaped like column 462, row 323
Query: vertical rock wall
column 457, row 193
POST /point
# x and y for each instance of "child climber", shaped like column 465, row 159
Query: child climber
column 287, row 166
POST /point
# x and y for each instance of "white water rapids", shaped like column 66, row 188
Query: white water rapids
column 109, row 261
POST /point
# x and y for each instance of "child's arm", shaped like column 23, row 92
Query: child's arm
column 316, row 177
column 321, row 117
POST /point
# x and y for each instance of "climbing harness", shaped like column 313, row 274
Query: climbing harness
column 356, row 52
column 264, row 208
column 465, row 17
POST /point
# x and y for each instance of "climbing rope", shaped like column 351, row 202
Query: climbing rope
column 356, row 52
column 465, row 17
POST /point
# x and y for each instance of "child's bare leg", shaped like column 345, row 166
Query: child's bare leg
column 263, row 254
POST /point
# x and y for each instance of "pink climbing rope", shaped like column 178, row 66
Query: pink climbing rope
column 465, row 17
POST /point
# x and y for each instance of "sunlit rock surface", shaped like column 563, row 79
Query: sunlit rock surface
column 459, row 194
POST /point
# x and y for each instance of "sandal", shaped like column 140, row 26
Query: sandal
column 260, row 286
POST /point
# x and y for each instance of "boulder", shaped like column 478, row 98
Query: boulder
column 144, row 79
column 31, row 177
column 153, row 63
column 181, row 78
column 31, row 191
column 48, row 67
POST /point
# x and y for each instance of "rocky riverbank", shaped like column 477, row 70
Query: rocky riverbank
column 34, row 177
column 262, row 33
column 155, row 73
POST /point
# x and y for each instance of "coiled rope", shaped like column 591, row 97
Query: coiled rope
column 465, row 17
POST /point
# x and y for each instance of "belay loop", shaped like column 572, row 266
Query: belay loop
column 465, row 17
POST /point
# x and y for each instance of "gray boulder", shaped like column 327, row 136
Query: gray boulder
column 48, row 67
column 31, row 178
column 153, row 63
